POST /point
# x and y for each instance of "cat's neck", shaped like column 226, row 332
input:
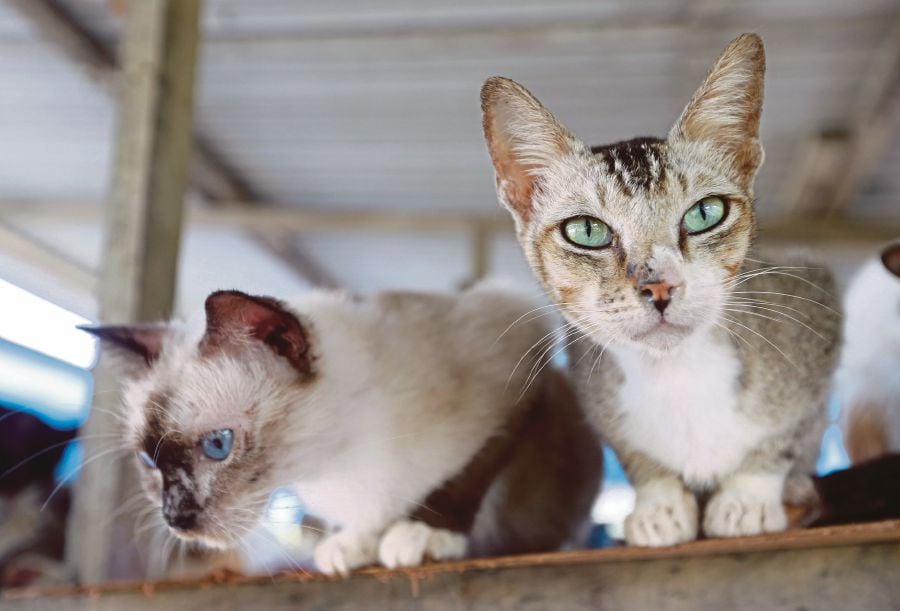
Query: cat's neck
column 694, row 349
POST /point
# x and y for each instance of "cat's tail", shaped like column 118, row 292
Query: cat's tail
column 866, row 492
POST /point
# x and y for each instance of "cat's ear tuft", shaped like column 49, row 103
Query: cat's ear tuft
column 726, row 109
column 233, row 317
column 523, row 138
column 890, row 257
column 135, row 343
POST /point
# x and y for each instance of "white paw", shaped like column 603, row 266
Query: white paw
column 409, row 543
column 340, row 553
column 664, row 514
column 737, row 513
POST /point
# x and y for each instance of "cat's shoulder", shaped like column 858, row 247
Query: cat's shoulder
column 791, row 305
column 797, row 281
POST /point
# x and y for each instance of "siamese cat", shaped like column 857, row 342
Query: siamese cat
column 869, row 374
column 401, row 420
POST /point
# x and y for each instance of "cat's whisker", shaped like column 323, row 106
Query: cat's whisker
column 600, row 356
column 764, row 338
column 767, row 303
column 806, row 299
column 533, row 375
column 733, row 333
column 781, row 273
column 570, row 331
column 783, row 316
column 548, row 336
column 126, row 506
column 54, row 446
column 76, row 469
column 553, row 309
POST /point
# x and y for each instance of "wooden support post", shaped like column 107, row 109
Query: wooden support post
column 212, row 175
column 144, row 217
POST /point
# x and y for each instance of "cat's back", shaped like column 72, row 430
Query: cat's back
column 488, row 319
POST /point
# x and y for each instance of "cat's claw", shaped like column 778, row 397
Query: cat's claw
column 340, row 553
column 664, row 514
column 733, row 513
column 410, row 542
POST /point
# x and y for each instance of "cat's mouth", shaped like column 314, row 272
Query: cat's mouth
column 663, row 329
column 203, row 538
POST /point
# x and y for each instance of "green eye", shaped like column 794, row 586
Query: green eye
column 705, row 214
column 587, row 232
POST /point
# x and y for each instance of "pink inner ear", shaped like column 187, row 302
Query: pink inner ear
column 232, row 316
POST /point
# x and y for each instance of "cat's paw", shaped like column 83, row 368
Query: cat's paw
column 340, row 553
column 410, row 542
column 749, row 506
column 664, row 514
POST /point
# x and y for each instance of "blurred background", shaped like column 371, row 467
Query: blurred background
column 338, row 144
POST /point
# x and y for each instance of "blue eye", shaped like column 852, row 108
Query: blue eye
column 216, row 445
column 145, row 458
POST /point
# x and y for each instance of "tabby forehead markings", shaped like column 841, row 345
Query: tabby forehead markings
column 636, row 163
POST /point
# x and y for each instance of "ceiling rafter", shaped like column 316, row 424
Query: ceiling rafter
column 839, row 159
column 212, row 176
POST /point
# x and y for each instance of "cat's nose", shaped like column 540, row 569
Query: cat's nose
column 181, row 521
column 659, row 293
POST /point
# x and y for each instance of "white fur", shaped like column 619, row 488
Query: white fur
column 409, row 543
column 341, row 552
column 870, row 362
column 664, row 514
column 746, row 504
column 406, row 389
column 681, row 409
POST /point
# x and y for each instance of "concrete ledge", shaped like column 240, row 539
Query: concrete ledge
column 846, row 567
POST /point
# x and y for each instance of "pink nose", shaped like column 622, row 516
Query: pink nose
column 660, row 293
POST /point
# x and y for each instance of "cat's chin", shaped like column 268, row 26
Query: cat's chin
column 201, row 539
column 662, row 337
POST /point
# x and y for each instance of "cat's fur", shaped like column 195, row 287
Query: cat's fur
column 869, row 375
column 722, row 393
column 396, row 418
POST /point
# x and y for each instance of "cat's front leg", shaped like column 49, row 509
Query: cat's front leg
column 665, row 513
column 341, row 552
column 746, row 504
column 411, row 542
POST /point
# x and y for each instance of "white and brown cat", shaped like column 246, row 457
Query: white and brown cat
column 869, row 374
column 396, row 418
column 706, row 370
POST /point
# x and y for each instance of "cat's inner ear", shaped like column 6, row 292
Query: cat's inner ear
column 890, row 257
column 233, row 317
column 726, row 109
column 523, row 138
column 134, row 342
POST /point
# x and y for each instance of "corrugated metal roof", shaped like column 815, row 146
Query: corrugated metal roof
column 341, row 105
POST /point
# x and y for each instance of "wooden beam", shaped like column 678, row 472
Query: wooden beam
column 46, row 258
column 266, row 218
column 845, row 567
column 211, row 174
column 144, row 216
column 838, row 160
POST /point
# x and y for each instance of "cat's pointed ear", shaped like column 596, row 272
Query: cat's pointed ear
column 138, row 343
column 233, row 317
column 726, row 109
column 523, row 138
column 890, row 257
